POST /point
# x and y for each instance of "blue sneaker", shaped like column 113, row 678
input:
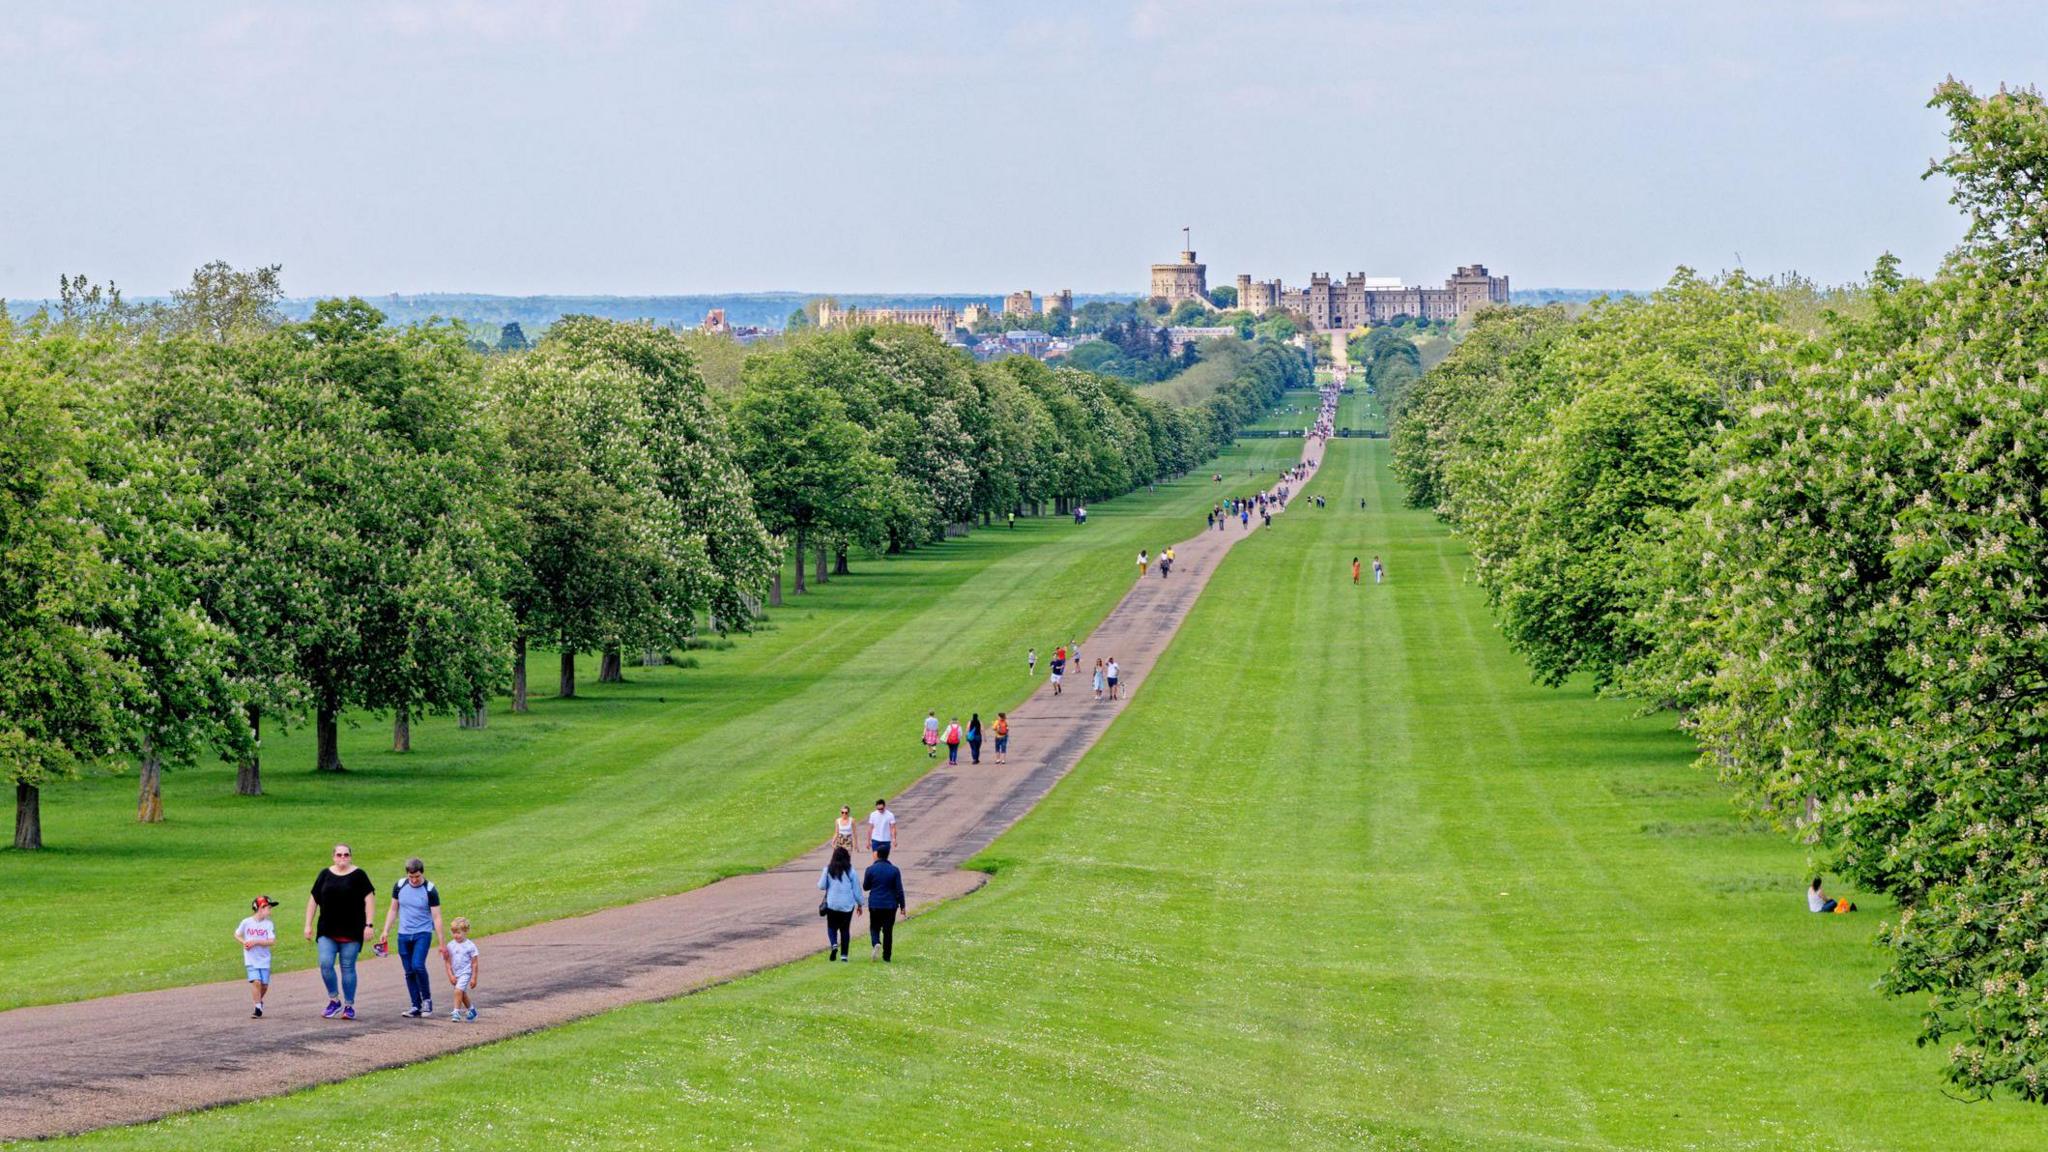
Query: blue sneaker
column 348, row 1012
column 472, row 1016
column 333, row 1007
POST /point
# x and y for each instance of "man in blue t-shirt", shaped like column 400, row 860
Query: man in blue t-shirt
column 1059, row 668
column 416, row 911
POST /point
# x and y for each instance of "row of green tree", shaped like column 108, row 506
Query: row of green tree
column 212, row 520
column 1815, row 527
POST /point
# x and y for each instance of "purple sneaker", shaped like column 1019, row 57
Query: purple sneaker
column 349, row 1012
column 333, row 1006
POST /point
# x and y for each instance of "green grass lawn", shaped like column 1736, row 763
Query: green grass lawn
column 1340, row 877
column 1302, row 401
column 1359, row 410
column 676, row 778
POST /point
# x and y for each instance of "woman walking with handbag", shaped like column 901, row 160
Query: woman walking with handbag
column 842, row 899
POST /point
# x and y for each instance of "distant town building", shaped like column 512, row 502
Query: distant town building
column 1180, row 337
column 1186, row 280
column 939, row 319
column 973, row 314
column 1018, row 304
column 1334, row 305
column 714, row 321
column 1060, row 301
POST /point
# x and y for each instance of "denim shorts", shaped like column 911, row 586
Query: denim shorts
column 257, row 975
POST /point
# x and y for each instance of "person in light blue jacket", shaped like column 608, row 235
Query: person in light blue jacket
column 842, row 899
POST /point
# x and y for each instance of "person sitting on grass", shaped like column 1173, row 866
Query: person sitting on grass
column 1818, row 901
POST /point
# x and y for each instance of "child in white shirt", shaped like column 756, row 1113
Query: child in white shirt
column 463, row 966
column 256, row 934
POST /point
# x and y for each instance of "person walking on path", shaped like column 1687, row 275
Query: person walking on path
column 464, row 967
column 1059, row 667
column 842, row 829
column 953, row 741
column 974, row 738
column 1002, row 737
column 416, row 912
column 884, row 885
column 1144, row 561
column 931, row 733
column 842, row 901
column 256, row 934
column 346, row 901
column 1031, row 661
column 1098, row 681
column 1379, row 571
column 1354, row 571
column 881, row 828
column 1112, row 670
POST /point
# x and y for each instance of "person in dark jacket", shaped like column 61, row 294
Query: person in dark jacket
column 884, row 886
column 974, row 738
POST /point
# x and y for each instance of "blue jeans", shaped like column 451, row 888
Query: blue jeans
column 345, row 951
column 413, row 950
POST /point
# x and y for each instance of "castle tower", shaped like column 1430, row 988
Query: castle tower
column 1186, row 280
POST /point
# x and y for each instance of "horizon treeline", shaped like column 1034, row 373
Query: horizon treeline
column 1812, row 524
column 214, row 520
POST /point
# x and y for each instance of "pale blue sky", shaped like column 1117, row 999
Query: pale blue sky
column 531, row 146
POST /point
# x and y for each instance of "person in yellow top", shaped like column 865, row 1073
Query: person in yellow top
column 1002, row 731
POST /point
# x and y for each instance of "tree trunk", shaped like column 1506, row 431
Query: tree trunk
column 149, row 803
column 327, row 737
column 519, row 674
column 839, row 567
column 984, row 517
column 249, row 773
column 824, row 560
column 401, row 730
column 567, row 688
column 28, row 816
column 800, row 555
column 480, row 716
column 775, row 590
column 610, row 669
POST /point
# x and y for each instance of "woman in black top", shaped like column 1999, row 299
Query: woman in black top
column 346, row 902
column 974, row 738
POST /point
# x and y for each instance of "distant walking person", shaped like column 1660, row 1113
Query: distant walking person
column 881, row 827
column 842, row 900
column 1031, row 661
column 1379, row 570
column 974, row 738
column 1354, row 569
column 884, row 886
column 1144, row 561
column 416, row 912
column 1098, row 675
column 953, row 741
column 931, row 733
column 1002, row 737
column 1112, row 670
column 842, row 829
column 346, row 901
column 1059, row 667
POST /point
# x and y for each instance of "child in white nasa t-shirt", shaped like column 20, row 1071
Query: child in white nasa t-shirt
column 256, row 933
